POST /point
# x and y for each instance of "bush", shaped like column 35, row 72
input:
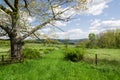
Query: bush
column 48, row 50
column 31, row 53
column 74, row 54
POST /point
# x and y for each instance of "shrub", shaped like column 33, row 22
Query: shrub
column 48, row 50
column 74, row 54
column 31, row 53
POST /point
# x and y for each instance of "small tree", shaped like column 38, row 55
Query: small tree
column 92, row 40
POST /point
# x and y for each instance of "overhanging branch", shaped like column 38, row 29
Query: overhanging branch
column 36, row 36
column 57, row 27
column 8, row 3
column 26, row 6
column 35, row 29
column 5, row 9
column 41, row 25
column 51, row 7
column 5, row 28
column 16, row 2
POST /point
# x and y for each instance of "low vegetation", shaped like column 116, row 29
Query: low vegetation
column 31, row 53
column 107, row 39
column 74, row 54
column 48, row 63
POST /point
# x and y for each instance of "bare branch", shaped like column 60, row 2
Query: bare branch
column 35, row 29
column 16, row 2
column 51, row 7
column 5, row 28
column 36, row 36
column 57, row 28
column 26, row 6
column 8, row 3
column 41, row 25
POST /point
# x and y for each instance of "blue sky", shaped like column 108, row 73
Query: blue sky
column 101, row 15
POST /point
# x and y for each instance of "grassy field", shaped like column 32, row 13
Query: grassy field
column 52, row 66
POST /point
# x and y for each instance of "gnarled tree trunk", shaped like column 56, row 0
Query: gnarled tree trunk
column 16, row 49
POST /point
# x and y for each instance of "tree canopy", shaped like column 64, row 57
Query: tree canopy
column 14, row 16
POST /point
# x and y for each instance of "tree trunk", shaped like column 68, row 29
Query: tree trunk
column 16, row 49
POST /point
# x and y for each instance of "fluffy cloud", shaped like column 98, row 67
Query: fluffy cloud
column 98, row 25
column 72, row 34
column 96, row 7
column 77, row 24
column 30, row 19
column 59, row 23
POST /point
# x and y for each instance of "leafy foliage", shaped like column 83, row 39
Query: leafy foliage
column 74, row 54
column 31, row 53
column 107, row 39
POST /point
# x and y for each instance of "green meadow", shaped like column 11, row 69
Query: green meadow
column 53, row 66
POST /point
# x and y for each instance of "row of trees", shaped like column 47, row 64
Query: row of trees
column 107, row 39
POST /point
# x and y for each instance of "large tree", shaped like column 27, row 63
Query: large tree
column 14, row 13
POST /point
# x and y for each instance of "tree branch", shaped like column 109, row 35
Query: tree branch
column 57, row 27
column 5, row 28
column 8, row 3
column 36, row 36
column 5, row 9
column 41, row 25
column 26, row 6
column 16, row 2
column 51, row 7
column 35, row 29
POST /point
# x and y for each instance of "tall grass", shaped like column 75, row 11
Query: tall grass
column 53, row 67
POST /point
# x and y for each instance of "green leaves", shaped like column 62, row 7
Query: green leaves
column 31, row 53
column 74, row 54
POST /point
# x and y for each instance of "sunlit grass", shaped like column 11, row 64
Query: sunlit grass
column 53, row 66
column 110, row 54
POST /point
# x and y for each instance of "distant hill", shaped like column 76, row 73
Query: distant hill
column 70, row 41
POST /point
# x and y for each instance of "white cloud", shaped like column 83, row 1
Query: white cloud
column 77, row 24
column 98, row 25
column 45, row 29
column 59, row 23
column 31, row 19
column 96, row 7
column 72, row 34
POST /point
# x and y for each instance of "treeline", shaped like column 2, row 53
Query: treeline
column 107, row 39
